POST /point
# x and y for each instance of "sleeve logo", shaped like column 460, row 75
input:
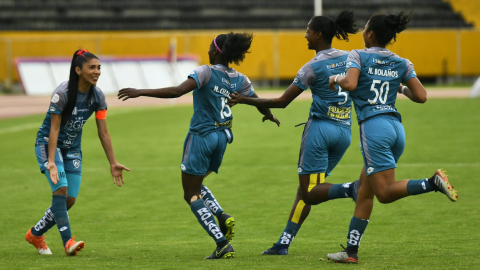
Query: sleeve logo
column 55, row 98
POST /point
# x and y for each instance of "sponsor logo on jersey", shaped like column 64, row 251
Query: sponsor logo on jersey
column 381, row 108
column 383, row 63
column 337, row 65
column 226, row 82
column 76, row 163
column 73, row 155
column 300, row 170
column 75, row 124
column 349, row 64
column 55, row 98
column 52, row 108
column 183, row 167
column 339, row 113
column 296, row 80
column 74, row 112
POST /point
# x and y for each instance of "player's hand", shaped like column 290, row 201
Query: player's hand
column 235, row 98
column 52, row 170
column 127, row 93
column 117, row 170
column 272, row 118
column 332, row 83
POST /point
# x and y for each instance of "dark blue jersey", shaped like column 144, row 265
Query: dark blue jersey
column 335, row 107
column 70, row 135
column 210, row 98
column 381, row 72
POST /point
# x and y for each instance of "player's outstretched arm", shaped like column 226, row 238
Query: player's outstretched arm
column 287, row 97
column 167, row 92
column 349, row 82
column 414, row 90
column 115, row 168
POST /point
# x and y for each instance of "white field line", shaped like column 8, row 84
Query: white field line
column 293, row 167
column 19, row 128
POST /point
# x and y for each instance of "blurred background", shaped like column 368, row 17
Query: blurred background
column 442, row 40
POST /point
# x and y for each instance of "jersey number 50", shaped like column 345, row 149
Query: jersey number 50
column 225, row 111
column 384, row 88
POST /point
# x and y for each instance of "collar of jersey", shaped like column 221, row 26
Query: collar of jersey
column 325, row 51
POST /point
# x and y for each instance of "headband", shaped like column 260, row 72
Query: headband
column 216, row 46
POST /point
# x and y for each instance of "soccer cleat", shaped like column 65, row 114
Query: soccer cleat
column 72, row 247
column 343, row 256
column 354, row 190
column 439, row 182
column 276, row 250
column 38, row 242
column 226, row 223
column 225, row 252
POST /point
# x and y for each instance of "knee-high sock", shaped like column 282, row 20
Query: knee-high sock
column 207, row 220
column 45, row 223
column 338, row 191
column 355, row 231
column 59, row 209
column 211, row 202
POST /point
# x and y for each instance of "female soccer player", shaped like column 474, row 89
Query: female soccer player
column 58, row 147
column 210, row 131
column 327, row 133
column 373, row 76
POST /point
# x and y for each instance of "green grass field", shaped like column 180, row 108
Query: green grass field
column 147, row 225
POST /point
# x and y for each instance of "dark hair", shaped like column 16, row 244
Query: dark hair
column 79, row 57
column 234, row 46
column 386, row 27
column 343, row 25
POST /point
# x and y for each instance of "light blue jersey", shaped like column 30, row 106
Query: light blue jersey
column 70, row 135
column 381, row 72
column 335, row 107
column 210, row 98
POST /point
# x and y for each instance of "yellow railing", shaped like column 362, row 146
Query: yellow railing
column 274, row 55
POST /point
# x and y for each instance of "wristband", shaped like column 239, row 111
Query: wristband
column 403, row 89
column 335, row 80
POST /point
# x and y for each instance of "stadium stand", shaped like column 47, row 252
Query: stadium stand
column 206, row 14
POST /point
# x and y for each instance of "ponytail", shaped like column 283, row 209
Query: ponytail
column 386, row 27
column 343, row 25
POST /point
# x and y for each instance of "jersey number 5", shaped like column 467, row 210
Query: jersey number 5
column 225, row 111
column 384, row 88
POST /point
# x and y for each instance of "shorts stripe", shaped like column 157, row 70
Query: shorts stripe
column 188, row 144
column 304, row 139
column 44, row 152
column 363, row 139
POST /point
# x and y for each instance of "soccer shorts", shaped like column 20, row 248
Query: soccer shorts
column 382, row 141
column 203, row 153
column 323, row 146
column 69, row 167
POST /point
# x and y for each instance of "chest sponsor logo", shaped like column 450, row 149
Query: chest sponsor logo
column 75, row 124
column 339, row 113
column 383, row 62
column 337, row 65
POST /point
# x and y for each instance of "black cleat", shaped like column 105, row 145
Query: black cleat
column 276, row 250
column 225, row 252
column 226, row 223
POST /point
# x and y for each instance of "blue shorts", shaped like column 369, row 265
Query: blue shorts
column 323, row 146
column 203, row 153
column 69, row 166
column 382, row 141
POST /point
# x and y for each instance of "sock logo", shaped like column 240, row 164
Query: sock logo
column 423, row 185
column 63, row 228
column 286, row 238
column 354, row 239
column 210, row 225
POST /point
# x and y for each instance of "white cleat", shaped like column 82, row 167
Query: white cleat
column 440, row 183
